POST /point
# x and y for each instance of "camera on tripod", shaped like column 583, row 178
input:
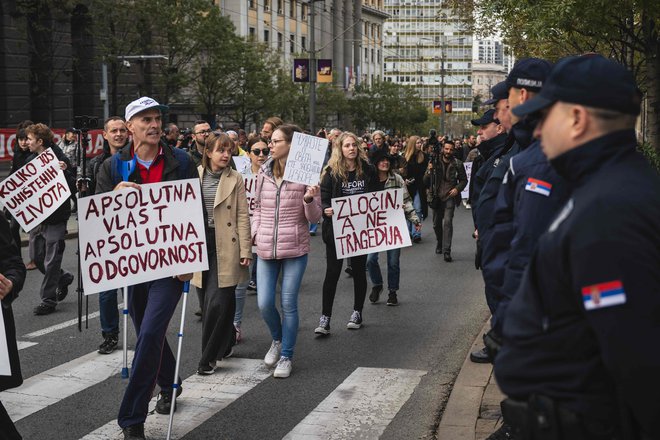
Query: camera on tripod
column 85, row 122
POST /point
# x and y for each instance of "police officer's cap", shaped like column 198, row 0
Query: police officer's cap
column 589, row 80
column 485, row 119
column 499, row 91
column 529, row 73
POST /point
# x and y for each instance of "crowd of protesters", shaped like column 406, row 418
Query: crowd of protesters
column 515, row 193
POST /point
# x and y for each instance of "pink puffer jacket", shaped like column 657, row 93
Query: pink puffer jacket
column 280, row 222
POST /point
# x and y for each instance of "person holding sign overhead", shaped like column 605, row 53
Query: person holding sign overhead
column 12, row 276
column 228, row 246
column 150, row 304
column 348, row 173
column 282, row 213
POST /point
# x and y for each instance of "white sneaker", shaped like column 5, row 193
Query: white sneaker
column 324, row 326
column 283, row 368
column 273, row 354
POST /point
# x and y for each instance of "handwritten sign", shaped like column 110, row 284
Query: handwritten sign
column 132, row 236
column 369, row 223
column 465, row 194
column 35, row 191
column 242, row 164
column 305, row 161
column 5, row 366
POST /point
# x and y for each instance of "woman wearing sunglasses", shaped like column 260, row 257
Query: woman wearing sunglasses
column 258, row 152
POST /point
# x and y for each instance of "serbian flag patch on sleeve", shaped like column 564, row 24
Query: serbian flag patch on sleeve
column 538, row 186
column 601, row 295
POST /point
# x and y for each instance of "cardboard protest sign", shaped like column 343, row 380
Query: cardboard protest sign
column 5, row 366
column 35, row 191
column 242, row 163
column 465, row 194
column 369, row 223
column 305, row 161
column 132, row 236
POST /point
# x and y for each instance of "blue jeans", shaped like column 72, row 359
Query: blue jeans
column 241, row 289
column 393, row 269
column 313, row 227
column 417, row 204
column 108, row 312
column 283, row 329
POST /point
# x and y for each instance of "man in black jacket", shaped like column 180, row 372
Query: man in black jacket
column 116, row 137
column 577, row 360
column 49, row 235
column 12, row 276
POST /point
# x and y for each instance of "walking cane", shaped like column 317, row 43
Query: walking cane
column 175, row 383
column 124, row 370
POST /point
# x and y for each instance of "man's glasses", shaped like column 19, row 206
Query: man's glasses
column 258, row 152
column 204, row 132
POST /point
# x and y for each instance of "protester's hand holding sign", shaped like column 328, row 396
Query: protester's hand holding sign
column 311, row 192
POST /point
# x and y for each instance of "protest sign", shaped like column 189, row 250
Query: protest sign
column 305, row 160
column 369, row 223
column 132, row 236
column 250, row 180
column 465, row 194
column 5, row 366
column 35, row 191
column 242, row 163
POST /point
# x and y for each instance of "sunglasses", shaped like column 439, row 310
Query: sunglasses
column 257, row 151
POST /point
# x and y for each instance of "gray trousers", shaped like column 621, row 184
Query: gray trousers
column 443, row 224
column 49, row 250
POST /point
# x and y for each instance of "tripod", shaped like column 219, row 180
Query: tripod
column 83, row 190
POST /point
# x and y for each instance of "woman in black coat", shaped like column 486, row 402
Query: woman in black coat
column 12, row 276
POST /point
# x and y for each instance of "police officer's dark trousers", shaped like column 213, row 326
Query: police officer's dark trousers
column 151, row 306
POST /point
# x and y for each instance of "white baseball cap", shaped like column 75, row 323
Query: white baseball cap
column 142, row 104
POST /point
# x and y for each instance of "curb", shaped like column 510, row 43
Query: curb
column 472, row 411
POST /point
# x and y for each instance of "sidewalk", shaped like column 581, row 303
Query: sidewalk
column 473, row 410
column 71, row 228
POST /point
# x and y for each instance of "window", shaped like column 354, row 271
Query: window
column 372, row 56
column 280, row 41
column 266, row 5
column 292, row 43
column 252, row 33
column 266, row 36
column 304, row 11
column 252, row 4
column 292, row 10
column 366, row 54
column 280, row 7
column 303, row 43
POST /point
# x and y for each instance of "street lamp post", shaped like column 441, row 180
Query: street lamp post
column 104, row 76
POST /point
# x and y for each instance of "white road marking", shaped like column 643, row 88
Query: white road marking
column 49, row 387
column 361, row 407
column 25, row 344
column 62, row 325
column 202, row 397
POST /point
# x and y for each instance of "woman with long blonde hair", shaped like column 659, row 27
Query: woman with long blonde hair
column 416, row 163
column 348, row 173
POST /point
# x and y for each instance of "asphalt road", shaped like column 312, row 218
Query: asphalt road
column 441, row 310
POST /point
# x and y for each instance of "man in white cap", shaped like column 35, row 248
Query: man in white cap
column 151, row 304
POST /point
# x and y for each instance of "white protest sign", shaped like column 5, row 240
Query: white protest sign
column 242, row 163
column 251, row 194
column 35, row 191
column 305, row 161
column 5, row 366
column 132, row 236
column 465, row 194
column 369, row 223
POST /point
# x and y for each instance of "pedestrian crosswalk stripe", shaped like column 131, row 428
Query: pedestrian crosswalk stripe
column 56, row 384
column 25, row 344
column 202, row 397
column 62, row 325
column 361, row 407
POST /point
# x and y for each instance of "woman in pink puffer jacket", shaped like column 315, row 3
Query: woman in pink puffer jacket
column 280, row 229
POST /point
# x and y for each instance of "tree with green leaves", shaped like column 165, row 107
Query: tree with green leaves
column 627, row 31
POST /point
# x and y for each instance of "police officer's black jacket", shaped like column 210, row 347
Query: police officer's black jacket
column 530, row 195
column 584, row 325
column 486, row 150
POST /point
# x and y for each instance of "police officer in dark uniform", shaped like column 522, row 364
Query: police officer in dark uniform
column 579, row 358
column 527, row 77
column 530, row 195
